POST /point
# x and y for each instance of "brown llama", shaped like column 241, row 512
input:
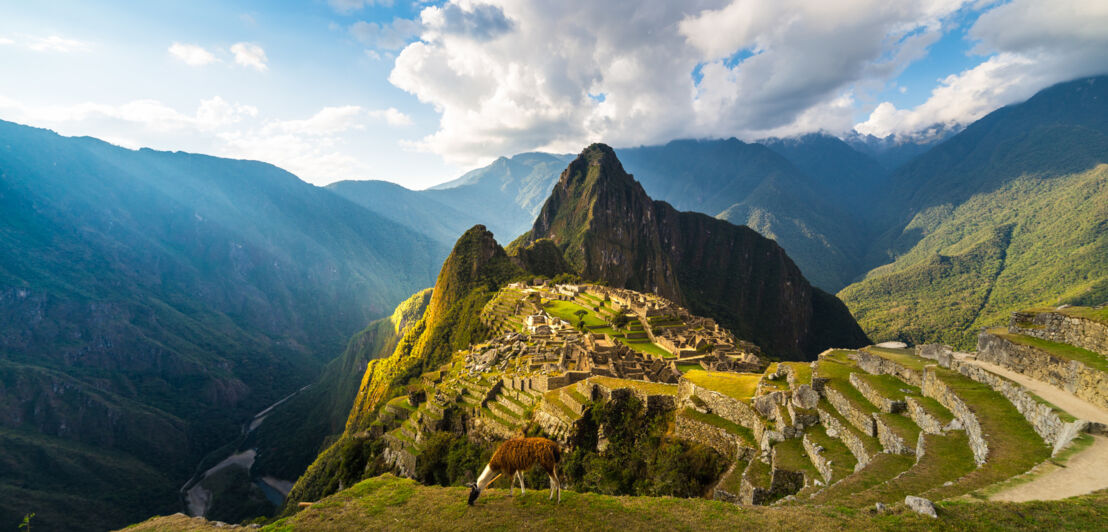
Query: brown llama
column 515, row 456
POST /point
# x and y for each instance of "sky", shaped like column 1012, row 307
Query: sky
column 418, row 92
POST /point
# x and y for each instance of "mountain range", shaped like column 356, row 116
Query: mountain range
column 151, row 303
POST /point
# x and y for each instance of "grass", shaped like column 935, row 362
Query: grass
column 391, row 503
column 802, row 372
column 553, row 397
column 869, row 442
column 837, row 369
column 650, row 388
column 791, row 456
column 889, row 386
column 1014, row 447
column 732, row 482
column 646, row 347
column 947, row 458
column 686, row 367
column 904, row 357
column 842, row 460
column 758, row 473
column 739, row 431
column 882, row 468
column 1059, row 350
column 739, row 386
column 937, row 410
column 779, row 384
column 565, row 310
column 1095, row 314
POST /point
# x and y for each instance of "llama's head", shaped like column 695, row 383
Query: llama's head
column 474, row 492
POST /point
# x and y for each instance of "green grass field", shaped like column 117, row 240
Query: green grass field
column 391, row 503
column 739, row 386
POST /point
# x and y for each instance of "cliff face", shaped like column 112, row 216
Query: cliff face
column 609, row 230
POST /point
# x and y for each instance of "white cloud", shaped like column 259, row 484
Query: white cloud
column 192, row 54
column 511, row 75
column 52, row 43
column 319, row 148
column 391, row 36
column 327, row 121
column 1032, row 45
column 392, row 117
column 250, row 55
column 346, row 7
column 58, row 44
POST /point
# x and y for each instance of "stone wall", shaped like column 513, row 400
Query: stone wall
column 837, row 429
column 855, row 416
column 1043, row 418
column 891, row 441
column 942, row 354
column 1058, row 327
column 935, row 388
column 1070, row 375
column 877, row 365
column 723, row 406
column 884, row 404
column 926, row 422
column 712, row 436
column 815, row 453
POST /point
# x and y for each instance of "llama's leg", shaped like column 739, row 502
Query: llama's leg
column 557, row 482
column 522, row 490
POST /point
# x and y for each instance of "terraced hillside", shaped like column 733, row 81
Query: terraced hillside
column 867, row 428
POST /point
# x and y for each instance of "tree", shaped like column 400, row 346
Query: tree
column 26, row 524
column 620, row 321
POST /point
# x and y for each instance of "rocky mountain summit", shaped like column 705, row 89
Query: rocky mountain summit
column 609, row 230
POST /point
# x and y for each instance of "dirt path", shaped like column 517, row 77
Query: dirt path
column 1084, row 472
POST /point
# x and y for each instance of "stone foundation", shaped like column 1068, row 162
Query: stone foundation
column 1070, row 375
column 836, row 429
column 926, row 422
column 1058, row 327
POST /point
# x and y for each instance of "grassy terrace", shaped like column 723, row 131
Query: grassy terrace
column 759, row 474
column 904, row 357
column 576, row 395
column 779, row 384
column 565, row 310
column 1014, row 447
column 496, row 417
column 739, row 386
column 802, row 370
column 791, row 456
column 391, row 503
column 650, row 388
column 889, row 386
column 1089, row 313
column 837, row 368
column 936, row 410
column 842, row 460
column 732, row 482
column 869, row 442
column 554, row 398
column 401, row 402
column 687, row 367
column 742, row 433
column 1063, row 351
column 645, row 347
column 882, row 468
column 947, row 458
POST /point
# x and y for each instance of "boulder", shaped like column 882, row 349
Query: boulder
column 805, row 397
column 920, row 505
